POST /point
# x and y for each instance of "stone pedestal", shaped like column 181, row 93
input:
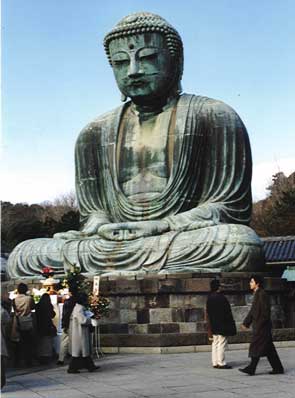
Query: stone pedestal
column 152, row 313
column 169, row 310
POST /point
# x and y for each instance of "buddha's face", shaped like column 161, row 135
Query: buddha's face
column 142, row 66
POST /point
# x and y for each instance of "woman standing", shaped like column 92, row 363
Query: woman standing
column 80, row 338
column 23, row 304
column 45, row 328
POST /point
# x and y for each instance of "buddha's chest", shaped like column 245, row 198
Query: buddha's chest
column 142, row 154
column 143, row 151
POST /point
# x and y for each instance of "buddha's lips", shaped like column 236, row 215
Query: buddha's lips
column 137, row 83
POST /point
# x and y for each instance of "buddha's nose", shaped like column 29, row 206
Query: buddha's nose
column 134, row 69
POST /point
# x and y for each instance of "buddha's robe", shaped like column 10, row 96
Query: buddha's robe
column 206, row 202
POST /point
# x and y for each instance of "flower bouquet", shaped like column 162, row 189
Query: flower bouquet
column 76, row 282
column 99, row 306
column 38, row 293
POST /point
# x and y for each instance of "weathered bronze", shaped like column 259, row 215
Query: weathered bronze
column 163, row 182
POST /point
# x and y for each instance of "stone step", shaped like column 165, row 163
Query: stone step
column 153, row 328
column 182, row 339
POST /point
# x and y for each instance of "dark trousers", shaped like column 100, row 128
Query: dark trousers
column 273, row 359
column 77, row 363
column 3, row 371
column 24, row 348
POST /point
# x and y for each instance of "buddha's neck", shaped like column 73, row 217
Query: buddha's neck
column 147, row 110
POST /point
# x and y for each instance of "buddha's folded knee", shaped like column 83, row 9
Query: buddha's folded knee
column 221, row 234
column 224, row 247
column 29, row 257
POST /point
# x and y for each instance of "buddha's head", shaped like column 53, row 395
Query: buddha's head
column 146, row 55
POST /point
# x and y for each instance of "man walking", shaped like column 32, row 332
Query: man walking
column 261, row 343
column 221, row 323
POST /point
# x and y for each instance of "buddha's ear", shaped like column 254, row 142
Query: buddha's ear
column 123, row 97
column 179, row 88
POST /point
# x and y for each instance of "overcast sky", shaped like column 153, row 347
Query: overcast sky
column 56, row 79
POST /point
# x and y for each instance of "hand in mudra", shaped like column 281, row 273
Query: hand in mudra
column 89, row 229
column 69, row 235
column 132, row 230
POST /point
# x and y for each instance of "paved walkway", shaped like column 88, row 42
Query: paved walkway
column 173, row 375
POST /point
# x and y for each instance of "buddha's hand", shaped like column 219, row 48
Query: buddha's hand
column 94, row 222
column 69, row 235
column 132, row 230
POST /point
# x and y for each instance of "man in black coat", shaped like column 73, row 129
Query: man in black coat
column 261, row 343
column 221, row 323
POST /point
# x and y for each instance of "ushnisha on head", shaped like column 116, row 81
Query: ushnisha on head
column 148, row 31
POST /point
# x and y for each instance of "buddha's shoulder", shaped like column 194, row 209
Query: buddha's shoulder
column 207, row 105
column 95, row 126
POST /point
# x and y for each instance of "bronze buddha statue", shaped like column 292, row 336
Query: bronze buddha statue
column 163, row 182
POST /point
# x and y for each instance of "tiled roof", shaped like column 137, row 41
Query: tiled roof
column 279, row 249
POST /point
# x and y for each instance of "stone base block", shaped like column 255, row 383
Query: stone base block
column 182, row 339
column 170, row 310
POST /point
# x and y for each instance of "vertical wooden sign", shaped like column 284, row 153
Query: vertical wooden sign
column 96, row 285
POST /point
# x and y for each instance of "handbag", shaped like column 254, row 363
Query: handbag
column 24, row 322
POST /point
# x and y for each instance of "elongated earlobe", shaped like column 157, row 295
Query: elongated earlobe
column 179, row 88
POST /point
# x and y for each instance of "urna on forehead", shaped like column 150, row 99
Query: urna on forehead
column 145, row 23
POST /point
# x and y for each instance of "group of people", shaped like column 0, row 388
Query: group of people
column 28, row 331
column 76, row 329
column 221, row 325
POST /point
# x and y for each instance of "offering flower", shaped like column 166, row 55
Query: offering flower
column 76, row 282
column 47, row 272
column 37, row 293
column 99, row 306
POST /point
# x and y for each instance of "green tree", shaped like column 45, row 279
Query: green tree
column 275, row 215
column 21, row 221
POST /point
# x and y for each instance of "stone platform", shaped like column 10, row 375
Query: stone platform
column 169, row 310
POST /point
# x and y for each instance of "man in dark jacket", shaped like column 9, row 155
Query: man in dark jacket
column 221, row 323
column 261, row 343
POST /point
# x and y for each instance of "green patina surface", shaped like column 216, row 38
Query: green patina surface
column 163, row 182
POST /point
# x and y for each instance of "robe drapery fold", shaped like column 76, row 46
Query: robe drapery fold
column 210, row 177
column 206, row 202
